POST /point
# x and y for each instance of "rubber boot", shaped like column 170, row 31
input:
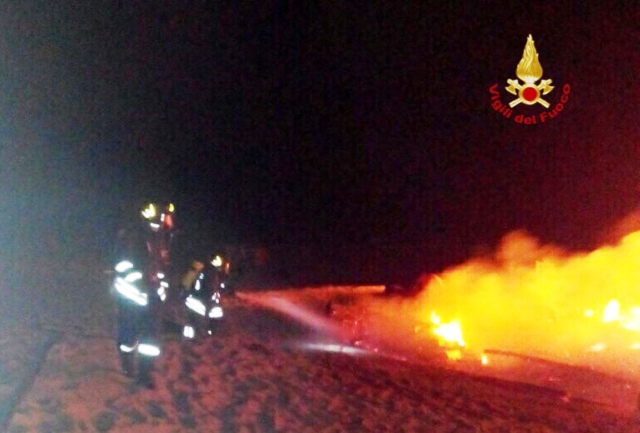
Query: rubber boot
column 127, row 363
column 145, row 366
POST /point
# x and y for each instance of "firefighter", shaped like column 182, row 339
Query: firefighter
column 140, row 287
column 216, row 280
column 203, row 285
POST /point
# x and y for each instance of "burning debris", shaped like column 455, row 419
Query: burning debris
column 580, row 309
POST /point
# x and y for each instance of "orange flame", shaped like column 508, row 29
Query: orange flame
column 447, row 333
column 535, row 300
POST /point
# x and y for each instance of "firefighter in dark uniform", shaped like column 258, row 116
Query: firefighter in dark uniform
column 203, row 286
column 140, row 286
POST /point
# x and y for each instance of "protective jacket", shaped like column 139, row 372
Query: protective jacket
column 140, row 286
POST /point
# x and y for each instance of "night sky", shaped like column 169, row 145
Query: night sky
column 362, row 123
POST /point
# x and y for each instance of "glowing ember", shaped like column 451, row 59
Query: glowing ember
column 454, row 354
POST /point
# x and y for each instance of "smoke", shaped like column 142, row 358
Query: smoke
column 534, row 299
column 628, row 224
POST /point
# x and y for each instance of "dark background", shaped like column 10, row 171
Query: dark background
column 351, row 141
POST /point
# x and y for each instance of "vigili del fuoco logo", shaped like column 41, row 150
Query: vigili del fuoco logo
column 527, row 92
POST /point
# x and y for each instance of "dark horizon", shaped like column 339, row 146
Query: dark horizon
column 329, row 126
